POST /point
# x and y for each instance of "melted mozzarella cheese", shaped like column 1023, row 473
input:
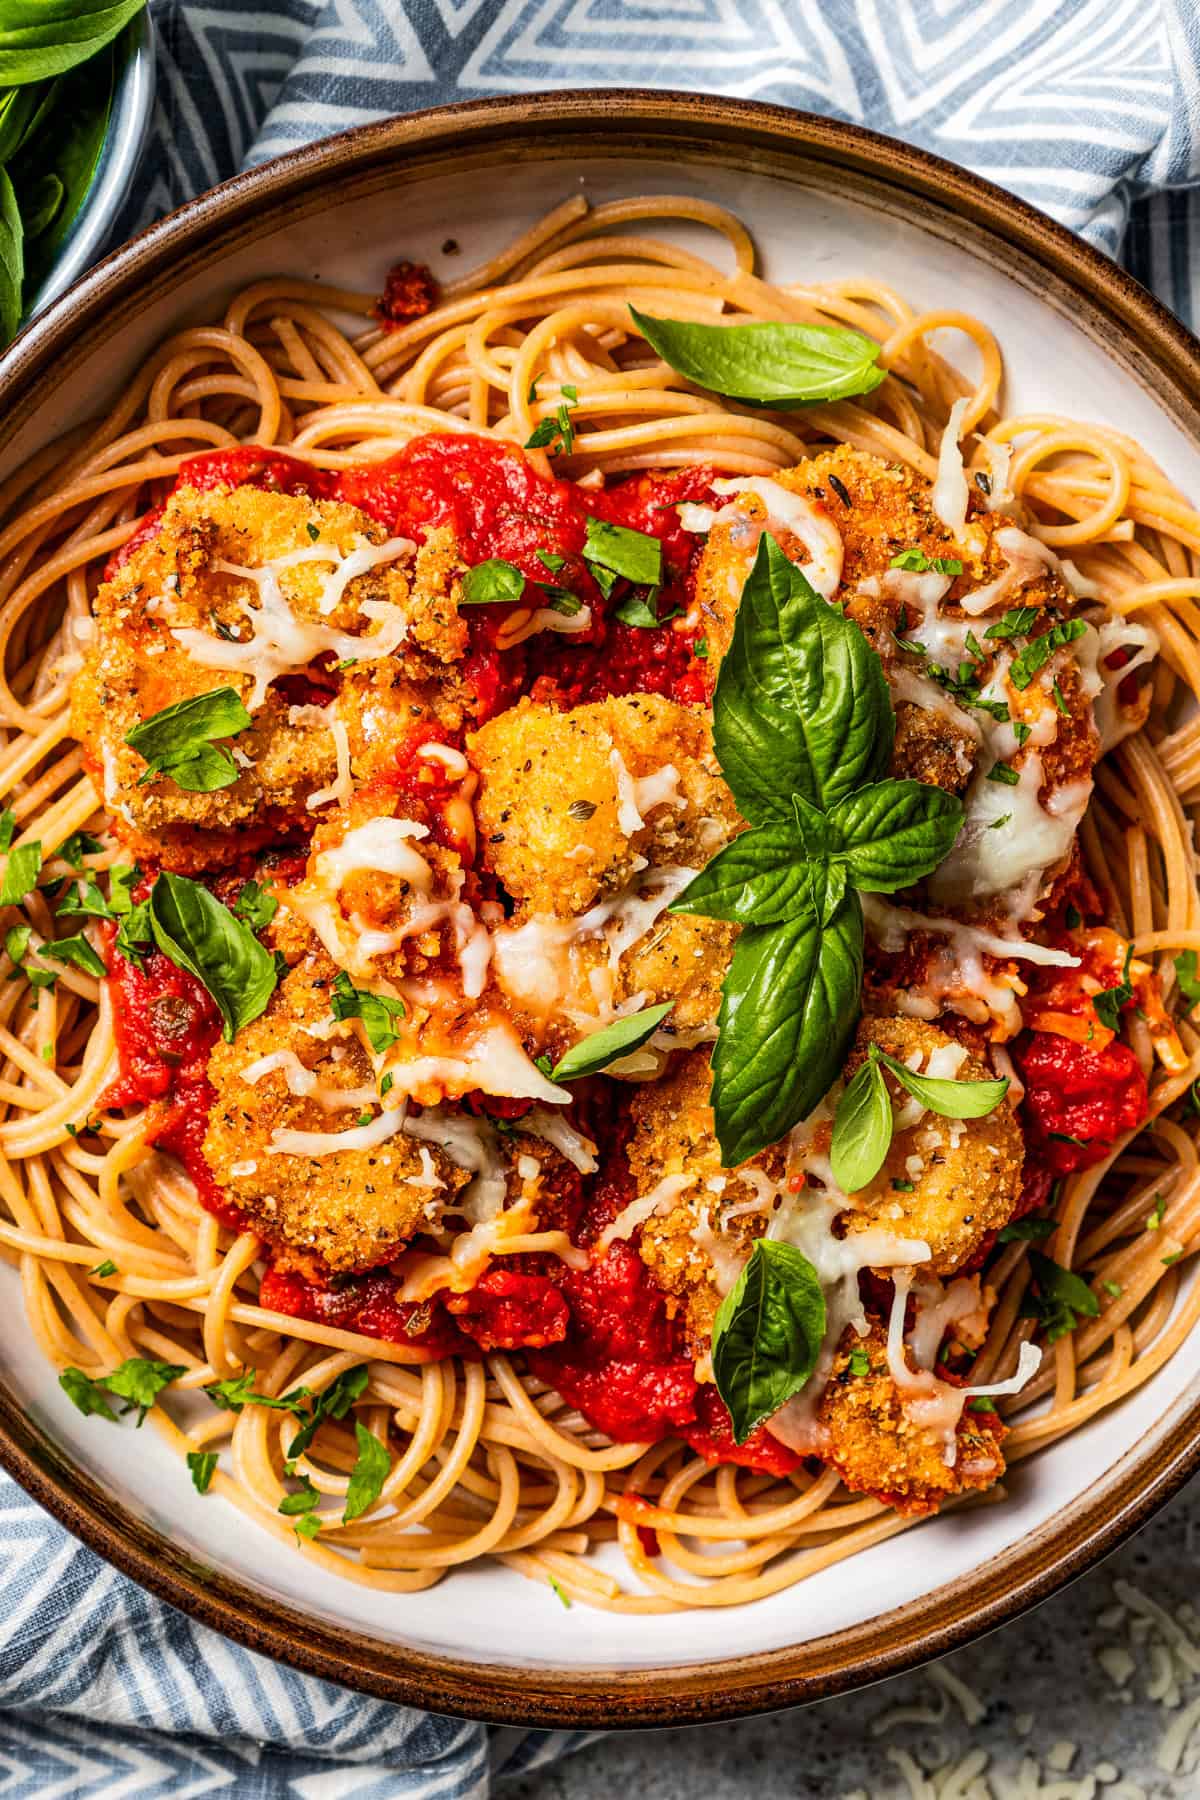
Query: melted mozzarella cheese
column 306, row 1083
column 660, row 1199
column 558, row 1131
column 494, row 1061
column 547, row 619
column 341, row 789
column 950, row 493
column 472, row 1144
column 532, row 962
column 796, row 514
column 932, row 1404
column 1100, row 683
column 280, row 642
column 286, row 1142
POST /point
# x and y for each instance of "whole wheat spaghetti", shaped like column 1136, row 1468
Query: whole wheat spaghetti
column 118, row 1256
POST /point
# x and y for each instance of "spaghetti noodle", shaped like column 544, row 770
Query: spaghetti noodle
column 118, row 1256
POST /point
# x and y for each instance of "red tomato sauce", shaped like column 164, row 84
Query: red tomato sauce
column 497, row 505
column 165, row 1026
column 1077, row 1102
column 409, row 292
column 364, row 1303
column 511, row 1310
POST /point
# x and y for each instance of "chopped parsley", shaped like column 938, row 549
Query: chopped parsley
column 1108, row 1004
column 1058, row 1298
column 1039, row 650
column 1004, row 773
column 1016, row 622
column 203, row 1464
column 375, row 1010
column 917, row 561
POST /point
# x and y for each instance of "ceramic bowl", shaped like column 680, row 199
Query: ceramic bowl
column 821, row 199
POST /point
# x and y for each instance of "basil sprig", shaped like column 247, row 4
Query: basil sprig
column 192, row 928
column 780, row 365
column 767, row 1335
column 178, row 741
column 803, row 729
column 864, row 1123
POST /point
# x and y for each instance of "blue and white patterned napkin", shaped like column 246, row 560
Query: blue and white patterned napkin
column 1089, row 109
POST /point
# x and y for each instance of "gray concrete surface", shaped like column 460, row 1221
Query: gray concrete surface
column 1096, row 1670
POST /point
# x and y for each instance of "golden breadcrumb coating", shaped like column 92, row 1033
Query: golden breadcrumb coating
column 946, row 1182
column 184, row 579
column 573, row 808
column 352, row 1208
column 674, row 1134
column 876, row 1447
column 569, row 802
column 881, row 510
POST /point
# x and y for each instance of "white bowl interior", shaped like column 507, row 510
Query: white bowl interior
column 804, row 233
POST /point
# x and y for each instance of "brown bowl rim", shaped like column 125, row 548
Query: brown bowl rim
column 1167, row 359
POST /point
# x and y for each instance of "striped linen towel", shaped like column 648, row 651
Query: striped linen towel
column 1089, row 109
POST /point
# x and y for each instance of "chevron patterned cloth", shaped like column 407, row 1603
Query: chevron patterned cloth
column 1089, row 109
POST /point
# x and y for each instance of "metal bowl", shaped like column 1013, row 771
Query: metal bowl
column 128, row 129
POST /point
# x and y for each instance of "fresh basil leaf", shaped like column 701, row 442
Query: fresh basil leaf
column 334, row 1403
column 896, row 832
column 198, row 934
column 79, row 844
column 45, row 37
column 177, row 742
column 18, row 107
column 767, row 1335
column 1016, row 622
column 1039, row 650
column 8, row 826
column 135, row 933
column 42, row 205
column 862, row 1129
column 255, row 906
column 86, row 1394
column 78, row 951
column 238, row 1391
column 760, row 877
column 1187, row 978
column 778, row 365
column 789, row 1007
column 203, row 1465
column 634, row 554
column 801, row 703
column 16, row 943
column 137, row 1380
column 20, row 873
column 305, row 1500
column 633, row 610
column 375, row 1010
column 368, row 1475
column 1062, row 1297
column 492, row 581
column 1029, row 1230
column 827, row 882
column 12, row 256
column 121, row 882
column 949, row 1099
column 917, row 561
column 621, row 1038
